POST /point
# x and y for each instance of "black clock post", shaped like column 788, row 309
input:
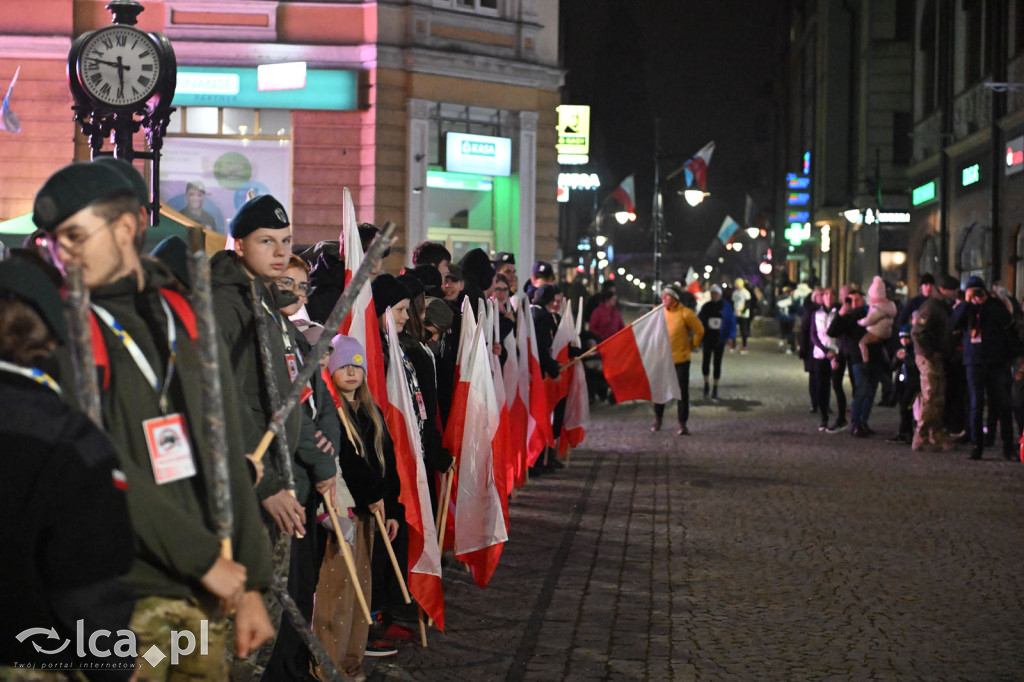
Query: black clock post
column 122, row 80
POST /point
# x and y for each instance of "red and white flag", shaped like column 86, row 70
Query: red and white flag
column 361, row 322
column 531, row 385
column 480, row 530
column 577, row 401
column 504, row 461
column 698, row 165
column 625, row 194
column 424, row 572
column 637, row 361
column 517, row 394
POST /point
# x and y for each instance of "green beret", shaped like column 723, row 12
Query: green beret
column 77, row 186
column 261, row 211
column 28, row 283
column 132, row 174
column 173, row 252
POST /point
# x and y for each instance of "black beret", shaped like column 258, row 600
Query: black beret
column 131, row 174
column 545, row 295
column 504, row 258
column 414, row 285
column 439, row 314
column 387, row 292
column 173, row 252
column 30, row 284
column 76, row 186
column 261, row 211
column 477, row 268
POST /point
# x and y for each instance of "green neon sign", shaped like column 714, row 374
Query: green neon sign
column 217, row 86
column 923, row 193
column 970, row 175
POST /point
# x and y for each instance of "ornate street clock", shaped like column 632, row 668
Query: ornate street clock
column 122, row 80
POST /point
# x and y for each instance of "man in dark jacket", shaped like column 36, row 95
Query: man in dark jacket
column 866, row 375
column 152, row 407
column 984, row 323
column 930, row 331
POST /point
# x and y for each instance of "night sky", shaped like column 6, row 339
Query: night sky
column 707, row 71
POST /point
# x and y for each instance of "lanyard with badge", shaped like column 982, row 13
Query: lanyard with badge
column 291, row 356
column 35, row 374
column 166, row 436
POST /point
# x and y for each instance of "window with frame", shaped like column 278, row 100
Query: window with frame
column 482, row 6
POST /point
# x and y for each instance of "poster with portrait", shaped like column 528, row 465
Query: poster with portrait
column 208, row 179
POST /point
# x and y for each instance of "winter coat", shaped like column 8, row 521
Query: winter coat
column 366, row 478
column 985, row 330
column 719, row 323
column 685, row 332
column 823, row 343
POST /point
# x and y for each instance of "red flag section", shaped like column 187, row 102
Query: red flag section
column 637, row 361
column 626, row 195
column 538, row 420
column 577, row 403
column 698, row 165
column 424, row 572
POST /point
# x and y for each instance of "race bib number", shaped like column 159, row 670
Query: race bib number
column 169, row 448
column 714, row 323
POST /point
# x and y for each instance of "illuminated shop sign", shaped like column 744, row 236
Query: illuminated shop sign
column 473, row 183
column 886, row 217
column 573, row 134
column 1015, row 155
column 970, row 175
column 481, row 154
column 794, row 181
column 285, row 86
column 923, row 193
column 807, row 163
column 579, row 180
column 798, row 198
column 798, row 233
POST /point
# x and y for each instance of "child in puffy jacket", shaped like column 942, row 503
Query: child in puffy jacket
column 880, row 317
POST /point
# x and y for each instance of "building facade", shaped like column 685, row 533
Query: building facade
column 438, row 115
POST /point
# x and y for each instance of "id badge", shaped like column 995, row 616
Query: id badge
column 169, row 448
column 293, row 365
column 421, row 406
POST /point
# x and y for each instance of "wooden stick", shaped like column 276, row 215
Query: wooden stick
column 350, row 562
column 437, row 514
column 391, row 553
column 423, row 630
column 596, row 348
column 444, row 512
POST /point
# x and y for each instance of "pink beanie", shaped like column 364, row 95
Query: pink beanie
column 876, row 292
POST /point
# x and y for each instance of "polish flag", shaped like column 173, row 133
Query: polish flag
column 625, row 194
column 558, row 388
column 517, row 392
column 698, row 165
column 637, row 361
column 455, row 428
column 361, row 322
column 538, row 418
column 424, row 572
column 480, row 530
column 504, row 463
column 577, row 402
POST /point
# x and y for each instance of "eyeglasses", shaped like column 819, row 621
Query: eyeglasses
column 290, row 283
column 74, row 238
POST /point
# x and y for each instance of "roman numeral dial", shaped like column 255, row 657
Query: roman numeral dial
column 119, row 66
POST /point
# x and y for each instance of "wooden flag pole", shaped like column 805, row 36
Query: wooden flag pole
column 423, row 629
column 444, row 511
column 394, row 559
column 350, row 561
column 437, row 514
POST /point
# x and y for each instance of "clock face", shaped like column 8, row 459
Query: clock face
column 119, row 66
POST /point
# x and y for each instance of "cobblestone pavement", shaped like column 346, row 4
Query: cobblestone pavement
column 756, row 548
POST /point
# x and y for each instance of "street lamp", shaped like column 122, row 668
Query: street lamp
column 753, row 232
column 695, row 196
column 623, row 217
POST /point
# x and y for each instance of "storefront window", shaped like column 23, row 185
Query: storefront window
column 971, row 258
column 215, row 159
column 929, row 260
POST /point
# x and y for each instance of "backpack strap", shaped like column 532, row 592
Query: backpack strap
column 99, row 349
column 183, row 310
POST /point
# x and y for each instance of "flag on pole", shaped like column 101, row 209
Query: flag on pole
column 692, row 282
column 637, row 361
column 698, row 166
column 361, row 322
column 424, row 563
column 504, row 463
column 538, row 422
column 9, row 121
column 625, row 194
column 519, row 396
column 480, row 530
column 577, row 401
column 728, row 230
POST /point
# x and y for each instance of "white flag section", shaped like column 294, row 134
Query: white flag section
column 479, row 521
column 577, row 402
column 656, row 353
column 424, row 555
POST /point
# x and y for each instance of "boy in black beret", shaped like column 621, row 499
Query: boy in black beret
column 505, row 265
column 151, row 391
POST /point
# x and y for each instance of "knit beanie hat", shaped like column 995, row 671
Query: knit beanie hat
column 876, row 292
column 477, row 267
column 345, row 351
column 387, row 292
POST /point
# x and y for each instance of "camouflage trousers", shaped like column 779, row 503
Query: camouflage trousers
column 154, row 620
column 930, row 433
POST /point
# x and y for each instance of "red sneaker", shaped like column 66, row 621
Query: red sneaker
column 399, row 632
